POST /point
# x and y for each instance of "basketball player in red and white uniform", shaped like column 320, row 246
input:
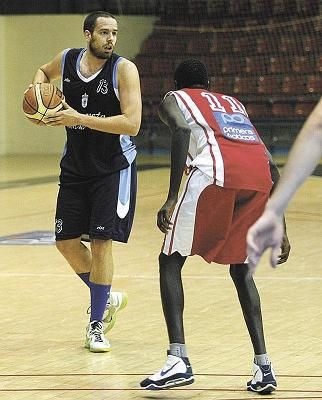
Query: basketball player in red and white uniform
column 230, row 177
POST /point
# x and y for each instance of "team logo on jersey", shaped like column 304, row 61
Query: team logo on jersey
column 102, row 86
column 84, row 100
column 58, row 225
column 236, row 127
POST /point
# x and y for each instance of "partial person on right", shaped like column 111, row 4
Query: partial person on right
column 305, row 154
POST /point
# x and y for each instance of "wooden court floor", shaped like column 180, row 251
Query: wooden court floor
column 43, row 305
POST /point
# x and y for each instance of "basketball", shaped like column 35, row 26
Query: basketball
column 40, row 100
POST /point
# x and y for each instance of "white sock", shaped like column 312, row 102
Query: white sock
column 178, row 349
column 262, row 359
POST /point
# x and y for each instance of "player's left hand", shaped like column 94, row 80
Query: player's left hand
column 164, row 215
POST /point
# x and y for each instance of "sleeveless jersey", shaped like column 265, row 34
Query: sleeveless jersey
column 88, row 153
column 224, row 144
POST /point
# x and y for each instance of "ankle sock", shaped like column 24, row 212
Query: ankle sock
column 178, row 349
column 262, row 359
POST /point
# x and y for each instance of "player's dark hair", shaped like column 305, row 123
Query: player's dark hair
column 191, row 73
column 90, row 20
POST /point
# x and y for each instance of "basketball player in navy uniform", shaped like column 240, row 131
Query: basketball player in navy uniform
column 97, row 192
column 228, row 184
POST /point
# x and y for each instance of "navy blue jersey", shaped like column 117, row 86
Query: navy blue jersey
column 88, row 153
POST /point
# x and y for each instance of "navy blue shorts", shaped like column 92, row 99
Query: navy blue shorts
column 100, row 209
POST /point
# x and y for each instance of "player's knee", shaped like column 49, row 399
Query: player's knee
column 171, row 264
column 61, row 246
column 65, row 246
column 238, row 273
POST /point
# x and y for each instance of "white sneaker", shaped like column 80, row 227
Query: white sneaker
column 116, row 302
column 176, row 372
column 264, row 379
column 95, row 340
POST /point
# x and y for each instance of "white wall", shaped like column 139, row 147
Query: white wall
column 26, row 42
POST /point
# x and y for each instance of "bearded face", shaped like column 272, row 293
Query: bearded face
column 102, row 40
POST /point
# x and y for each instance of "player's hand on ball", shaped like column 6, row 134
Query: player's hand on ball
column 65, row 117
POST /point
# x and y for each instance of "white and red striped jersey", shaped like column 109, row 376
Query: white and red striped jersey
column 224, row 144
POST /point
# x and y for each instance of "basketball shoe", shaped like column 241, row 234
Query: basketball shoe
column 95, row 340
column 176, row 372
column 116, row 302
column 264, row 380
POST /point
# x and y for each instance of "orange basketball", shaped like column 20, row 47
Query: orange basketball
column 40, row 100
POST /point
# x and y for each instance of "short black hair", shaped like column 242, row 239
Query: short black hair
column 191, row 73
column 90, row 20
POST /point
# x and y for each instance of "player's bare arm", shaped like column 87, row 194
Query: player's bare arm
column 303, row 157
column 267, row 232
column 50, row 71
column 128, row 122
column 171, row 115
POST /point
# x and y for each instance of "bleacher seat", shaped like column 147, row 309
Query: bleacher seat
column 150, row 110
column 222, row 84
column 318, row 67
column 151, row 86
column 282, row 109
column 294, row 85
column 289, row 45
column 310, row 43
column 258, row 110
column 232, row 65
column 314, row 84
column 245, row 85
column 167, row 85
column 279, row 64
column 222, row 44
column 152, row 46
column 244, row 45
column 162, row 66
column 200, row 44
column 283, row 9
column 144, row 64
column 263, row 45
column 301, row 64
column 269, row 85
column 307, row 8
column 303, row 109
column 175, row 47
column 255, row 65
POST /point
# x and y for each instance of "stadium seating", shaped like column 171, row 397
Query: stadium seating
column 279, row 64
column 269, row 85
column 314, row 84
column 274, row 68
column 303, row 109
column 294, row 85
column 255, row 65
column 283, row 110
column 257, row 110
column 244, row 85
column 222, row 84
column 301, row 64
column 162, row 66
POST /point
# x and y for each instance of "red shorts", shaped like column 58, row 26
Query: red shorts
column 212, row 221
